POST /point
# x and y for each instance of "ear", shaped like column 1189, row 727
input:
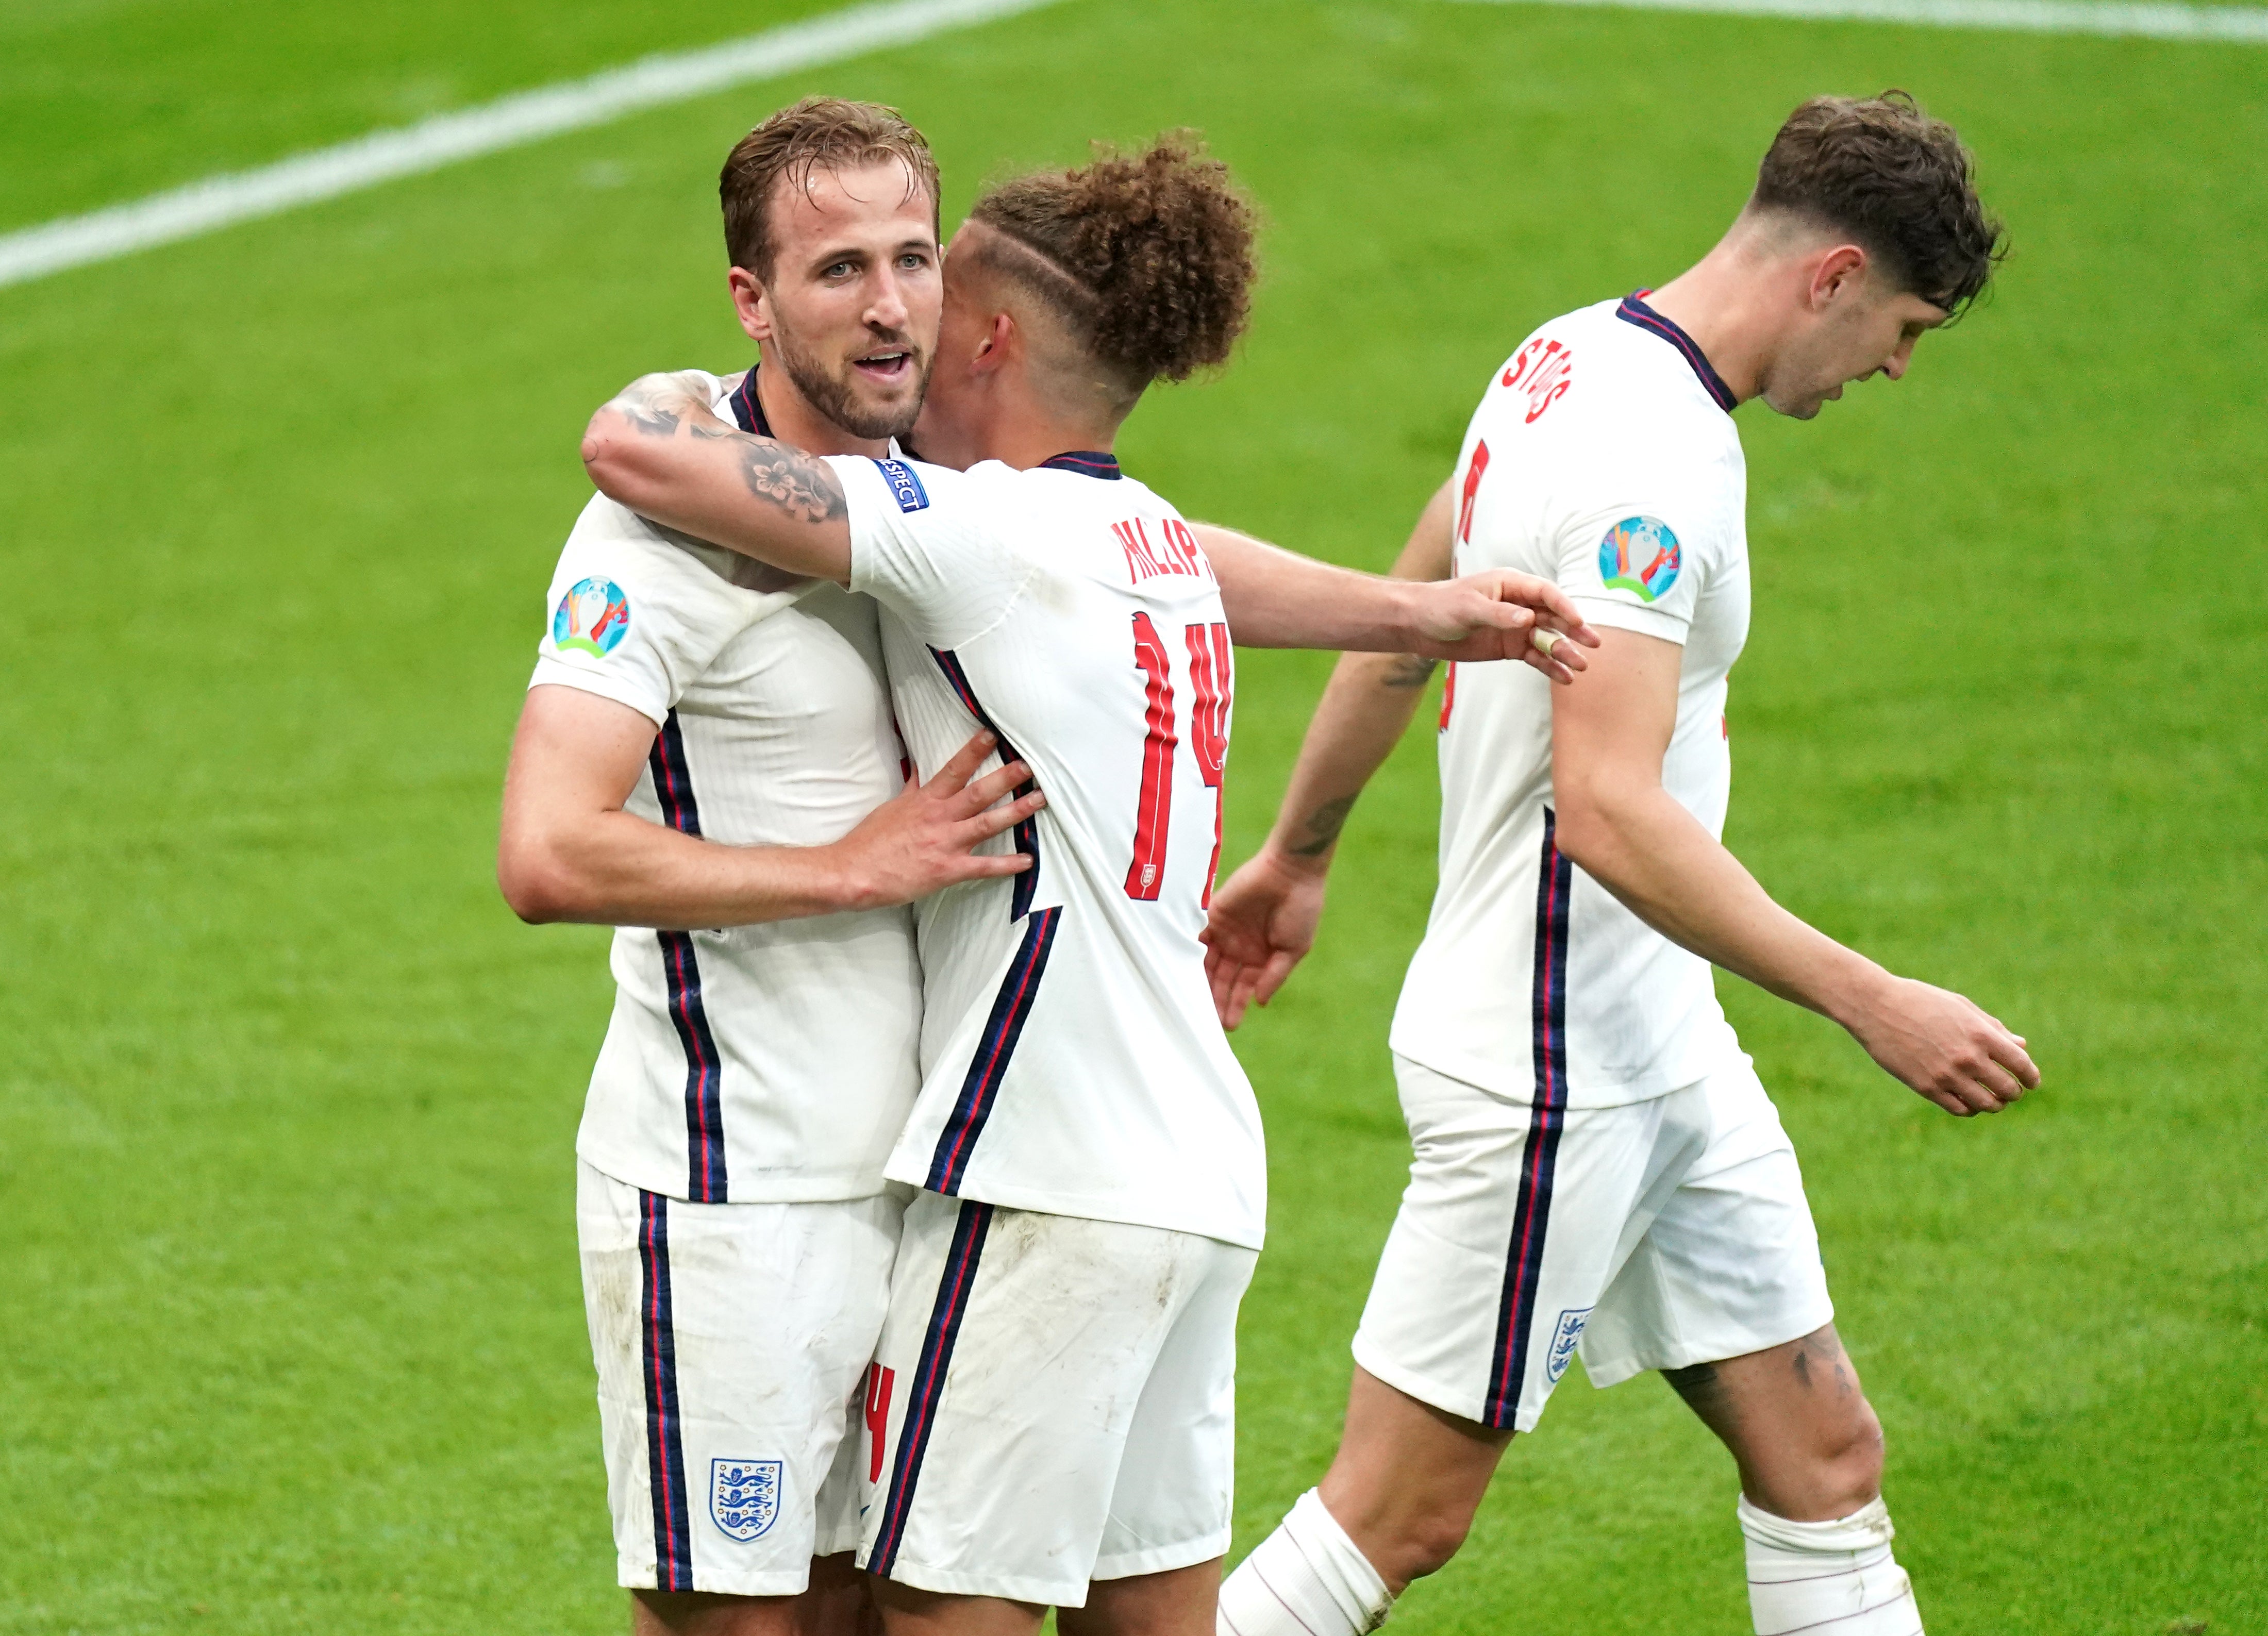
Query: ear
column 756, row 312
column 1839, row 272
column 1002, row 341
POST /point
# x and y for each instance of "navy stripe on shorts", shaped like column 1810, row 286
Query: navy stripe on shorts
column 1547, row 1116
column 665, row 1432
column 953, row 1289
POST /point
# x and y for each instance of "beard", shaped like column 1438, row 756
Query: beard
column 836, row 396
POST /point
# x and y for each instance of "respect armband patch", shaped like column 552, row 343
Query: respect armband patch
column 905, row 487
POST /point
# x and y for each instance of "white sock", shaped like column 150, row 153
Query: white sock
column 1838, row 1578
column 1306, row 1579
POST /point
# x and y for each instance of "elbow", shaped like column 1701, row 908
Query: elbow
column 534, row 885
column 1583, row 827
column 607, row 457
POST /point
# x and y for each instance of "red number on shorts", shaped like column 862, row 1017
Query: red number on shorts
column 1154, row 809
column 878, row 1383
column 1210, row 672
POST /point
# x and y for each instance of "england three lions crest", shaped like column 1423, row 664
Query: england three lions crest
column 744, row 1496
column 1563, row 1342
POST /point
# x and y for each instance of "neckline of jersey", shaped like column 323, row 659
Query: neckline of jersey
column 1086, row 463
column 747, row 409
column 1635, row 311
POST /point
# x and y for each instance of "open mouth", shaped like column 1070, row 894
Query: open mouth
column 887, row 367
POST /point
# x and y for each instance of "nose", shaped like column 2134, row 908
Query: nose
column 887, row 310
column 1896, row 368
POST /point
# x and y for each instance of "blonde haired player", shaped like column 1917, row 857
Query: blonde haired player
column 1598, row 1172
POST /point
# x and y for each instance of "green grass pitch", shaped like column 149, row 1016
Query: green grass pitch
column 290, row 1332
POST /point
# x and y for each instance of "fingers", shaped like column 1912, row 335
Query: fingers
column 962, row 767
column 994, row 820
column 1272, row 975
column 1555, row 607
column 1554, row 655
column 990, row 788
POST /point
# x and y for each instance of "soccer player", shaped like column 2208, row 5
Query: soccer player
column 1598, row 1172
column 706, row 760
column 1053, row 1400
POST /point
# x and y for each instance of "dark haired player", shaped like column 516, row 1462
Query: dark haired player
column 1057, row 1370
column 706, row 748
column 1598, row 1171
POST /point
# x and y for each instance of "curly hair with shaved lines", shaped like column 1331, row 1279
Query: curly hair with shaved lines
column 1146, row 256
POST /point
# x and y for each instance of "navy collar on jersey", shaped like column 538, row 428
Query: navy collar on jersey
column 1635, row 311
column 747, row 409
column 1086, row 463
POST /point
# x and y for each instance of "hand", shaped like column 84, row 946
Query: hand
column 1263, row 923
column 1943, row 1047
column 1496, row 613
column 921, row 841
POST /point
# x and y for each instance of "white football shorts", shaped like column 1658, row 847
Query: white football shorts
column 732, row 1341
column 1654, row 1235
column 1059, row 1400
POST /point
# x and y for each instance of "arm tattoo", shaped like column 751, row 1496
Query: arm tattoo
column 1323, row 826
column 804, row 488
column 653, row 405
column 1407, row 671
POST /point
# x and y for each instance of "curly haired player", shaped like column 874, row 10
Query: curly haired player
column 1054, row 1402
column 1598, row 1171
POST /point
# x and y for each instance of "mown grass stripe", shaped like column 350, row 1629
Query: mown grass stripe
column 2242, row 25
column 525, row 116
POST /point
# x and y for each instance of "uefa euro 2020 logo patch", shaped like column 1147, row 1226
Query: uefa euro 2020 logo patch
column 744, row 1496
column 592, row 618
column 1640, row 554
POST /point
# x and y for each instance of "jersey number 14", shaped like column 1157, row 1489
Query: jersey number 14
column 1210, row 677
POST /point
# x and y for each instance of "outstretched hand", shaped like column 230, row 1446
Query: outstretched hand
column 923, row 839
column 1263, row 923
column 1946, row 1048
column 1496, row 613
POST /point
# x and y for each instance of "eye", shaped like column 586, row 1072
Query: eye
column 840, row 269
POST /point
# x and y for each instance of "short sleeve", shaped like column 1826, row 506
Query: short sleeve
column 933, row 545
column 635, row 616
column 1636, row 554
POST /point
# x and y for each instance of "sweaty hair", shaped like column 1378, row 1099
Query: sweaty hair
column 1145, row 258
column 817, row 132
column 1899, row 182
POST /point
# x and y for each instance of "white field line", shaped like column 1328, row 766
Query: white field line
column 2246, row 25
column 509, row 121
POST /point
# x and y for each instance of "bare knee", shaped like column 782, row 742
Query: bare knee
column 1407, row 1479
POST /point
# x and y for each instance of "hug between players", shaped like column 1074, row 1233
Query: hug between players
column 886, row 716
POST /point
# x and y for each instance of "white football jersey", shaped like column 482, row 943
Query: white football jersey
column 759, row 1063
column 1072, row 1059
column 1603, row 457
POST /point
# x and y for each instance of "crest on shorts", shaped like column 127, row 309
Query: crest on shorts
column 744, row 1496
column 1563, row 1342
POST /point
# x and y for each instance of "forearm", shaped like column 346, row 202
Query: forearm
column 1364, row 712
column 1655, row 857
column 1276, row 598
column 613, row 868
column 656, row 449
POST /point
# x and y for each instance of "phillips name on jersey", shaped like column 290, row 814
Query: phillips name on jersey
column 1072, row 1059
